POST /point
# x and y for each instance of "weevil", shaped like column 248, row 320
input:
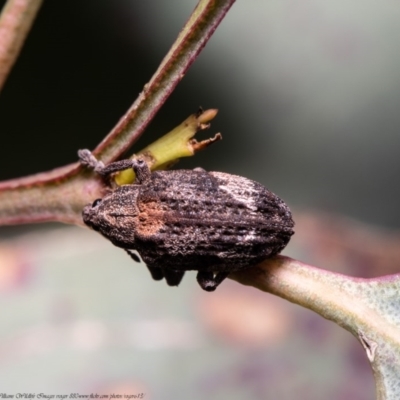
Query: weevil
column 180, row 220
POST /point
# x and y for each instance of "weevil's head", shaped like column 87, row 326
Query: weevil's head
column 115, row 216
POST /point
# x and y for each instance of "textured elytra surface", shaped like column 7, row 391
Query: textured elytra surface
column 193, row 220
column 213, row 221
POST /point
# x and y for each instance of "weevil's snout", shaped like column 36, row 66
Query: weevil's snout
column 113, row 219
column 90, row 215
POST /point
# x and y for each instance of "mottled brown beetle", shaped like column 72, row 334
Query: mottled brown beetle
column 181, row 220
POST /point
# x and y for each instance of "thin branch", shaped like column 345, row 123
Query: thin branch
column 16, row 20
column 368, row 308
column 332, row 295
column 193, row 37
column 57, row 195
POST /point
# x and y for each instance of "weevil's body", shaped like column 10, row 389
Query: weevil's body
column 181, row 220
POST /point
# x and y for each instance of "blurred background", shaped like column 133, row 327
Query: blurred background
column 308, row 94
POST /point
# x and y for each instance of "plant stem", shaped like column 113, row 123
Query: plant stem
column 58, row 195
column 368, row 308
column 191, row 40
column 16, row 20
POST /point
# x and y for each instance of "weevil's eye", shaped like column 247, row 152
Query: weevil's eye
column 96, row 202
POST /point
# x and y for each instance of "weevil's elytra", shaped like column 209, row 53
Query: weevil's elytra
column 181, row 220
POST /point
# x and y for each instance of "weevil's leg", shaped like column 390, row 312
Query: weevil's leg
column 142, row 170
column 209, row 281
column 139, row 165
column 133, row 255
column 156, row 273
column 116, row 166
column 87, row 158
column 173, row 277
